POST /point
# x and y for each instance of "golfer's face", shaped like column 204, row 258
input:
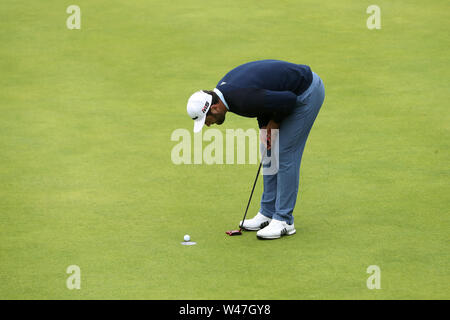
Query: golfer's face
column 214, row 118
column 210, row 119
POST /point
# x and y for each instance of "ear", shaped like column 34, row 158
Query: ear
column 214, row 108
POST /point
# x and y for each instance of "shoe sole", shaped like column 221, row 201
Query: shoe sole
column 277, row 237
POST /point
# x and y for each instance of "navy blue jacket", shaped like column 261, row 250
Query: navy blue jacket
column 265, row 89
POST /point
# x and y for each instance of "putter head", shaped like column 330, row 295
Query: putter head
column 234, row 232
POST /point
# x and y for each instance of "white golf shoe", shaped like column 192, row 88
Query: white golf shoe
column 256, row 223
column 275, row 230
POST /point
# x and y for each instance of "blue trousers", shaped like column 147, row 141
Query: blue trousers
column 281, row 189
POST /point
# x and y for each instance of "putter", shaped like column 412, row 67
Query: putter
column 239, row 232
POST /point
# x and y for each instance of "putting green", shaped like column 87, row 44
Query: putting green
column 85, row 162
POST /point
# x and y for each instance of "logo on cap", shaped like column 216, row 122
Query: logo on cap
column 205, row 107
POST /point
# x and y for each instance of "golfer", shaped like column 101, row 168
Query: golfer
column 280, row 95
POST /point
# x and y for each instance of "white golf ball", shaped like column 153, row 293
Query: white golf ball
column 187, row 238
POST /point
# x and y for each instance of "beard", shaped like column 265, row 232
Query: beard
column 220, row 118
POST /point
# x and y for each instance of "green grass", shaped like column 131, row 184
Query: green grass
column 86, row 176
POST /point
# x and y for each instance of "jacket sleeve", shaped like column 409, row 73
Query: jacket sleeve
column 261, row 103
column 263, row 120
column 279, row 104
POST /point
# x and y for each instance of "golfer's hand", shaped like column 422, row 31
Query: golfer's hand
column 263, row 136
column 266, row 135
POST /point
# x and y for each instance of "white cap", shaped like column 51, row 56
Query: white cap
column 197, row 108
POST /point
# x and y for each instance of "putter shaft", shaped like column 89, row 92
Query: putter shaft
column 253, row 189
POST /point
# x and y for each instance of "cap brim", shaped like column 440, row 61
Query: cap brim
column 198, row 124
